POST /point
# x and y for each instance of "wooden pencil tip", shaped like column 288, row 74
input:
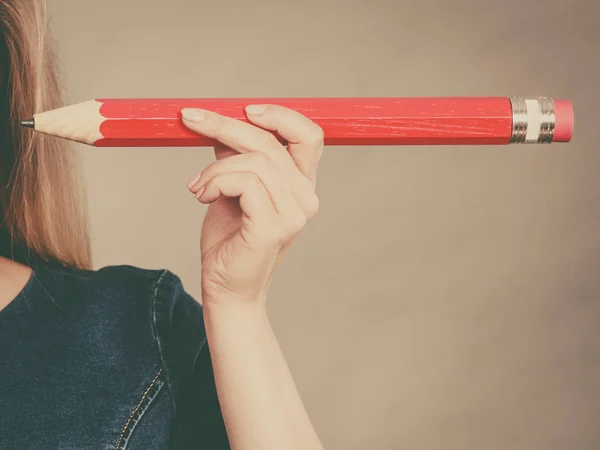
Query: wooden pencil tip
column 28, row 123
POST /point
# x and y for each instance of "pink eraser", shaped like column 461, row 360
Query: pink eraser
column 565, row 121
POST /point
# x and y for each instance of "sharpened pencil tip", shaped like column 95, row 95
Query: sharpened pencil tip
column 28, row 123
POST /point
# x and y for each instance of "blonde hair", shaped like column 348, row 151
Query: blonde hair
column 42, row 200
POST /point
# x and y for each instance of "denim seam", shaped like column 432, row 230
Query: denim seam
column 137, row 414
column 157, row 337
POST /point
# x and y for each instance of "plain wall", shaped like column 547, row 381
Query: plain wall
column 443, row 298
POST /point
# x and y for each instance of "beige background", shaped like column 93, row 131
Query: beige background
column 443, row 298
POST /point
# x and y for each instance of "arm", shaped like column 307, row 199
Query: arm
column 261, row 195
column 259, row 401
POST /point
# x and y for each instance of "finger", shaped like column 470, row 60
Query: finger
column 281, row 186
column 221, row 152
column 305, row 138
column 255, row 203
column 254, row 199
column 260, row 165
column 237, row 135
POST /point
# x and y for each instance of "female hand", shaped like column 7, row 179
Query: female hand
column 261, row 195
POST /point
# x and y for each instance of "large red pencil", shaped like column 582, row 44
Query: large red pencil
column 156, row 122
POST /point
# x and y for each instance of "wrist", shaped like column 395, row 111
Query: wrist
column 217, row 294
column 235, row 320
column 235, row 306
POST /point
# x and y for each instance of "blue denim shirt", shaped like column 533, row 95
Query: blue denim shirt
column 115, row 358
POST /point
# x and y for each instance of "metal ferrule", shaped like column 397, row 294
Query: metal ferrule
column 533, row 120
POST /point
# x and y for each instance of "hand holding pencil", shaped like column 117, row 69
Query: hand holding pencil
column 261, row 195
column 149, row 122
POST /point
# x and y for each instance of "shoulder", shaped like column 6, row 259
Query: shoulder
column 145, row 319
column 126, row 290
column 114, row 286
column 139, row 307
column 127, row 300
column 116, row 280
column 118, row 297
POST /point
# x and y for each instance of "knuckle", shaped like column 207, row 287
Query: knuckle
column 316, row 136
column 218, row 180
column 309, row 202
column 209, row 172
column 252, row 182
column 216, row 121
column 305, row 185
column 219, row 125
column 312, row 206
column 295, row 221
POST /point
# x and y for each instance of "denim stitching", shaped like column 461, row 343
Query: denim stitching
column 124, row 437
column 156, row 336
column 139, row 411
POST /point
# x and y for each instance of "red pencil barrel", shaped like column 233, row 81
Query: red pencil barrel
column 345, row 121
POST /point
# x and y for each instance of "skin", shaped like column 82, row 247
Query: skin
column 261, row 195
column 13, row 278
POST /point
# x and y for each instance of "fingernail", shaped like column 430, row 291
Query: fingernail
column 193, row 181
column 200, row 192
column 193, row 114
column 255, row 109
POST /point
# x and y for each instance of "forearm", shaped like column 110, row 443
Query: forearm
column 259, row 400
